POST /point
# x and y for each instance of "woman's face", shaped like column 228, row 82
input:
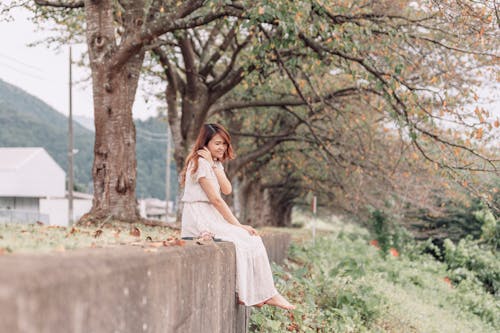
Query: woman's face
column 217, row 146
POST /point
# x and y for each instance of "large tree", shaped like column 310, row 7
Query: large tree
column 408, row 65
column 117, row 34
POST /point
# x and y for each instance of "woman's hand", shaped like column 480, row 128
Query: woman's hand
column 205, row 153
column 250, row 229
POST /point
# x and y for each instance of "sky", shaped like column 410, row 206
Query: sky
column 43, row 72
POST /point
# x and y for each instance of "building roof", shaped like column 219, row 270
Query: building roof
column 30, row 172
column 15, row 158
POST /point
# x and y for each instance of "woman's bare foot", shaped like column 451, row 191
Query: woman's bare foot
column 259, row 305
column 280, row 302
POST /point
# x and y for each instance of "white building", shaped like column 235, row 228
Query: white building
column 155, row 209
column 32, row 188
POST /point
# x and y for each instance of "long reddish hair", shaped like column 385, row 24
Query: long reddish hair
column 207, row 132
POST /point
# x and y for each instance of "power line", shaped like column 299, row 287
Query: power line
column 22, row 72
column 20, row 62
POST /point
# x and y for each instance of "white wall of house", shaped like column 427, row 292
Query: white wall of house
column 57, row 209
column 19, row 203
column 32, row 184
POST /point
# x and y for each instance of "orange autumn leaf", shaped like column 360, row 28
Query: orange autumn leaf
column 72, row 231
column 447, row 280
column 479, row 133
column 136, row 232
column 156, row 244
column 171, row 241
column 180, row 242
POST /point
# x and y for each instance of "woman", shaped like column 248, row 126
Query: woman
column 205, row 213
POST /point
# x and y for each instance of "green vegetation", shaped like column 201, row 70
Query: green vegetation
column 151, row 150
column 26, row 121
column 458, row 220
column 343, row 282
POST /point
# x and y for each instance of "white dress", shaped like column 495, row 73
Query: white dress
column 254, row 280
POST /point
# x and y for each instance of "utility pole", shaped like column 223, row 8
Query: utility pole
column 70, row 146
column 167, row 174
column 314, row 211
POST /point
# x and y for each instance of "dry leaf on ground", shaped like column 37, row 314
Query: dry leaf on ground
column 136, row 232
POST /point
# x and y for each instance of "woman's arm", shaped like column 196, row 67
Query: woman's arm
column 221, row 206
column 224, row 183
column 216, row 200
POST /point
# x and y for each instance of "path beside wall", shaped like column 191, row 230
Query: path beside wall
column 177, row 289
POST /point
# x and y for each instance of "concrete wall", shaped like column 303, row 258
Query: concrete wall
column 177, row 289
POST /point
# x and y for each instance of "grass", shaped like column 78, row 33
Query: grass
column 22, row 238
column 341, row 283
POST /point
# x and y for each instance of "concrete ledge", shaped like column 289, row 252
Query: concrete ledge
column 277, row 245
column 177, row 289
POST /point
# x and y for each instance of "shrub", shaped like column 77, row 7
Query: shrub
column 341, row 284
column 469, row 260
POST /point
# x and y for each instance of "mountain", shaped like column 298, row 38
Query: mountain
column 151, row 160
column 86, row 122
column 27, row 121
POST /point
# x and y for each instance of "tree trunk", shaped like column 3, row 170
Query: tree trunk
column 264, row 206
column 254, row 201
column 280, row 212
column 114, row 87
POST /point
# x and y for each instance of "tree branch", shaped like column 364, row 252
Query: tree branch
column 61, row 3
column 232, row 105
column 230, row 66
column 210, row 40
column 188, row 56
column 260, row 151
column 497, row 13
column 177, row 21
column 206, row 68
column 173, row 77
